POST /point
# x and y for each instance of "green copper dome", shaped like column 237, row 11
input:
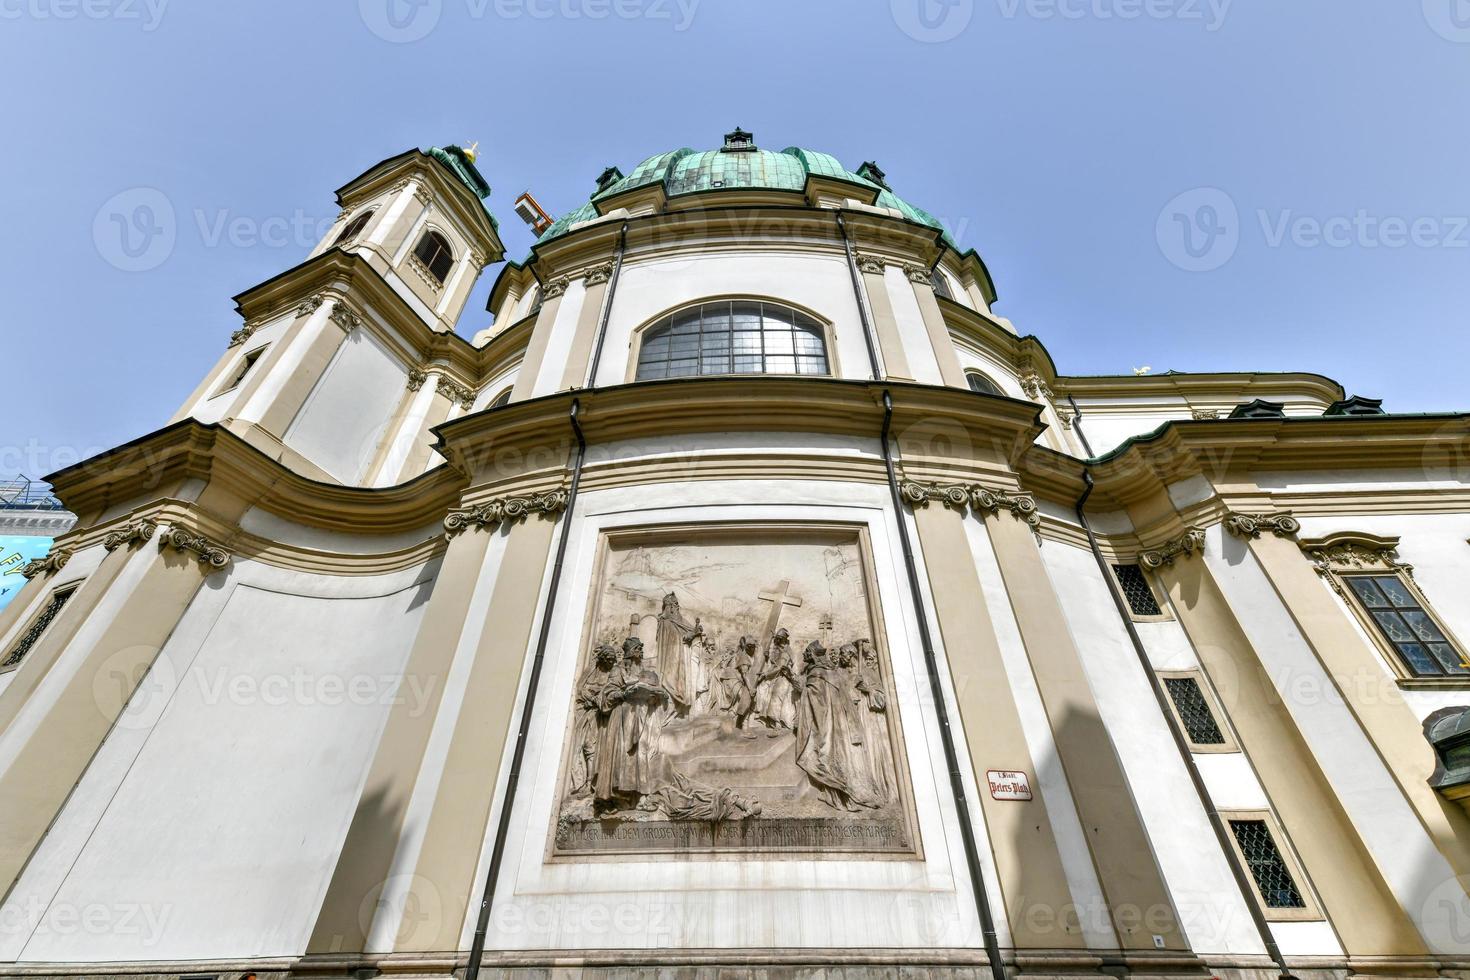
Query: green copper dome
column 742, row 165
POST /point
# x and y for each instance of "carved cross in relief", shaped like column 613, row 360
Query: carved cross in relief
column 778, row 597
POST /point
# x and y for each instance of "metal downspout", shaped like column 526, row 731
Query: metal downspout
column 497, row 852
column 941, row 712
column 862, row 302
column 607, row 302
column 1242, row 879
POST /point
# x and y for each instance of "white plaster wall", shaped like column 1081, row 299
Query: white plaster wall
column 211, row 819
column 345, row 416
column 559, row 343
column 1211, row 908
column 213, row 404
column 1420, row 878
column 911, row 330
column 650, row 287
column 703, row 903
column 501, row 382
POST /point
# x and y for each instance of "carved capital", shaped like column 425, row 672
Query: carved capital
column 50, row 565
column 597, row 274
column 133, row 532
column 311, row 306
column 416, row 378
column 1251, row 525
column 1348, row 551
column 1066, row 418
column 1034, row 387
column 493, row 513
column 1187, row 544
column 240, row 336
column 456, row 392
column 960, row 496
column 343, row 316
column 1201, row 414
column 917, row 273
column 870, row 263
column 554, row 287
column 211, row 556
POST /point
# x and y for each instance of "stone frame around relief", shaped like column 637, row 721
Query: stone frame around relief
column 838, row 836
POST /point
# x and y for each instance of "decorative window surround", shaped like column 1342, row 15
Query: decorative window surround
column 493, row 513
column 1188, row 693
column 1278, row 858
column 37, row 628
column 1348, row 551
column 972, row 496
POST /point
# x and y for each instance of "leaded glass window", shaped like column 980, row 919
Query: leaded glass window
column 1267, row 866
column 1403, row 622
column 733, row 337
column 1141, row 601
column 1194, row 711
column 33, row 632
column 982, row 384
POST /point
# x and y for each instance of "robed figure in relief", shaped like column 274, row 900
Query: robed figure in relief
column 675, row 636
column 629, row 762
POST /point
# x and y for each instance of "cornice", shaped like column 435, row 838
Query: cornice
column 1225, row 387
column 393, row 174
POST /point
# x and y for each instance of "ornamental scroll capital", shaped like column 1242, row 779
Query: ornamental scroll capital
column 971, row 496
column 311, row 306
column 492, row 513
column 49, row 565
column 456, row 392
column 211, row 557
column 343, row 316
column 1252, row 525
column 870, row 263
column 1034, row 387
column 1187, row 544
column 240, row 336
column 133, row 532
column 597, row 274
column 416, row 378
column 917, row 273
column 554, row 287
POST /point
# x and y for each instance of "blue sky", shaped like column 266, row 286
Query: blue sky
column 1187, row 184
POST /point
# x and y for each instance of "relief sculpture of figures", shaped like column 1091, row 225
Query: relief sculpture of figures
column 761, row 718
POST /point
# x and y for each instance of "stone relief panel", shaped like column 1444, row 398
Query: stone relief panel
column 734, row 694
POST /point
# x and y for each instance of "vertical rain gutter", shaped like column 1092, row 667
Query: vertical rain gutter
column 497, row 852
column 607, row 302
column 941, row 711
column 1222, row 835
column 862, row 302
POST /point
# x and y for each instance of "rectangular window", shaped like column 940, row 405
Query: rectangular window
column 1395, row 611
column 28, row 639
column 1194, row 712
column 1140, row 596
column 1268, row 868
column 246, row 364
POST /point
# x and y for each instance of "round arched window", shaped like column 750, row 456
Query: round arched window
column 355, row 227
column 982, row 384
column 733, row 337
column 436, row 255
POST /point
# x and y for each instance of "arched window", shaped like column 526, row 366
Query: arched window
column 355, row 227
column 733, row 337
column 982, row 384
column 501, row 399
column 434, row 252
column 941, row 285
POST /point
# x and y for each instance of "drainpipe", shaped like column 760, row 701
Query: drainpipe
column 1077, row 424
column 1222, row 833
column 941, row 712
column 862, row 302
column 607, row 302
column 497, row 853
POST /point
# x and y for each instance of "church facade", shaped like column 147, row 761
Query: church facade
column 749, row 599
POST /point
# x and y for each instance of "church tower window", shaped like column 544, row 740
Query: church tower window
column 733, row 337
column 435, row 254
column 354, row 227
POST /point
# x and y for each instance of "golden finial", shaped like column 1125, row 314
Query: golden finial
column 472, row 151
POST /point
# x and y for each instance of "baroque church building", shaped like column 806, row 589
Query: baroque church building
column 750, row 600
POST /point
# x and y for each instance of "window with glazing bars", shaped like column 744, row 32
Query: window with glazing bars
column 733, row 337
column 1267, row 866
column 1141, row 601
column 1194, row 711
column 33, row 632
column 1407, row 627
